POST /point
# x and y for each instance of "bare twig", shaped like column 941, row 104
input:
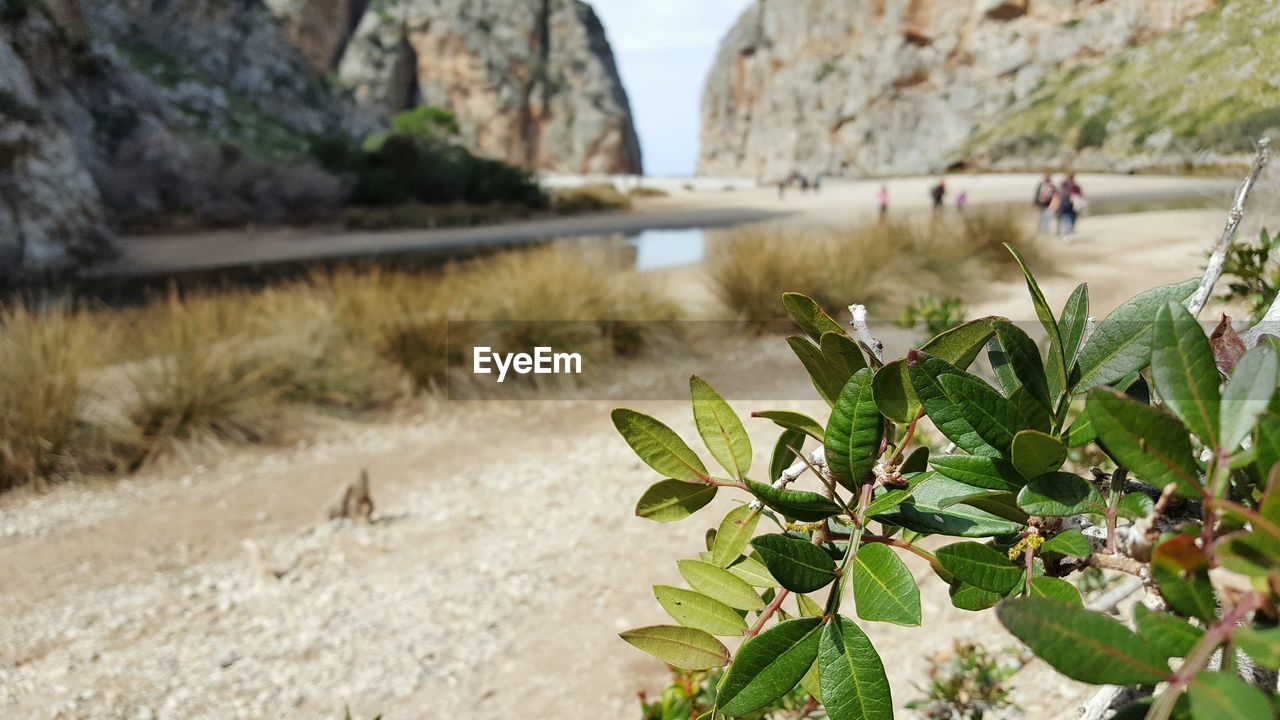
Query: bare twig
column 1219, row 256
column 1107, row 601
column 1268, row 325
column 863, row 331
column 816, row 460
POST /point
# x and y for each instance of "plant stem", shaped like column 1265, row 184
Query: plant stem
column 906, row 439
column 1029, row 554
column 894, row 542
column 728, row 483
column 1216, row 635
column 768, row 613
column 859, row 523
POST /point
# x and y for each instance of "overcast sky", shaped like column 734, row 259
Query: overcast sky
column 664, row 49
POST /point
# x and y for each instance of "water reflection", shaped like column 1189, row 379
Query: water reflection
column 657, row 249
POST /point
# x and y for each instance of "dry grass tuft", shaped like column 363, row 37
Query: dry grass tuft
column 588, row 198
column 880, row 265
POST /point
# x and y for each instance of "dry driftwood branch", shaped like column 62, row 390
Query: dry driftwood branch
column 1268, row 325
column 355, row 502
column 1219, row 256
column 863, row 331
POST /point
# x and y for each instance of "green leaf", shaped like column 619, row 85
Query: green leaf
column 1248, row 553
column 1151, row 443
column 1081, row 431
column 883, row 586
column 719, row 584
column 973, row 599
column 734, row 533
column 1082, row 644
column 695, row 610
column 798, row 565
column 1263, row 645
column 769, row 666
column 1055, row 589
column 1013, row 349
column 979, row 471
column 1186, row 375
column 812, row 319
column 980, row 566
column 1035, row 453
column 947, row 415
column 754, row 572
column 672, row 500
column 1252, row 384
column 682, row 647
column 854, row 684
column 1266, row 443
column 783, row 456
column 812, row 682
column 793, row 421
column 1068, row 542
column 807, row 607
column 1060, row 494
column 1072, row 321
column 854, row 433
column 917, row 461
column 894, row 395
column 1034, row 415
column 799, row 505
column 825, row 379
column 842, row 354
column 1135, row 505
column 1219, row 696
column 1057, row 365
column 1169, row 634
column 720, row 428
column 1181, row 571
column 992, row 416
column 962, row 343
column 658, row 446
column 884, row 499
column 922, row 512
column 1122, row 343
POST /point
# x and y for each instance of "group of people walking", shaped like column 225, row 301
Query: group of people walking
column 937, row 192
column 1063, row 201
column 803, row 181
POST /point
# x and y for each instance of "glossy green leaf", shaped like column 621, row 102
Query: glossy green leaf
column 1081, row 431
column 1248, row 553
column 672, row 500
column 893, row 394
column 1261, row 644
column 1056, row 365
column 1151, row 443
column 769, row 666
column 807, row 607
column 679, row 646
column 973, row 599
column 754, row 572
column 922, row 513
column 1068, row 542
column 734, row 533
column 842, row 354
column 1252, row 385
column 1055, row 589
column 946, row 414
column 885, row 499
column 720, row 584
column 1060, row 494
column 883, row 587
column 992, row 416
column 798, row 565
column 812, row 681
column 962, row 343
column 658, row 446
column 1219, row 696
column 799, row 505
column 1122, row 343
column 1072, row 322
column 854, row 684
column 958, row 346
column 980, row 566
column 1034, row 415
column 979, row 471
column 1167, row 633
column 695, row 610
column 854, row 433
column 720, row 428
column 1013, row 349
column 1035, row 453
column 1181, row 571
column 812, row 319
column 783, row 455
column 1186, row 375
column 791, row 420
column 917, row 461
column 1081, row 644
column 826, row 380
column 1266, row 443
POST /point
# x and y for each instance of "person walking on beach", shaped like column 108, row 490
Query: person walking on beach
column 1045, row 192
column 939, row 194
column 882, row 201
column 962, row 200
column 1068, row 203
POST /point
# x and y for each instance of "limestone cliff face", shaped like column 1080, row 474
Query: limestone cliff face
column 532, row 82
column 885, row 86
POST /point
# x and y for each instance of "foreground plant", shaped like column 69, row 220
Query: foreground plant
column 1187, row 498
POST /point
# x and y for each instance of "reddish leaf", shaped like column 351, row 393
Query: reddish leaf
column 1228, row 348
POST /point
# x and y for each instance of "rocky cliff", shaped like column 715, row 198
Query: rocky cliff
column 897, row 86
column 532, row 82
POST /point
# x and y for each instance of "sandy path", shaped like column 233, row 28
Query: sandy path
column 495, row 588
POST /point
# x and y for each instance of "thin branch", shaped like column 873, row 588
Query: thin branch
column 1107, row 601
column 863, row 331
column 1266, row 326
column 1219, row 256
column 768, row 613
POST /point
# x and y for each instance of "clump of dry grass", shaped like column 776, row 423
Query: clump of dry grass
column 588, row 198
column 876, row 265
